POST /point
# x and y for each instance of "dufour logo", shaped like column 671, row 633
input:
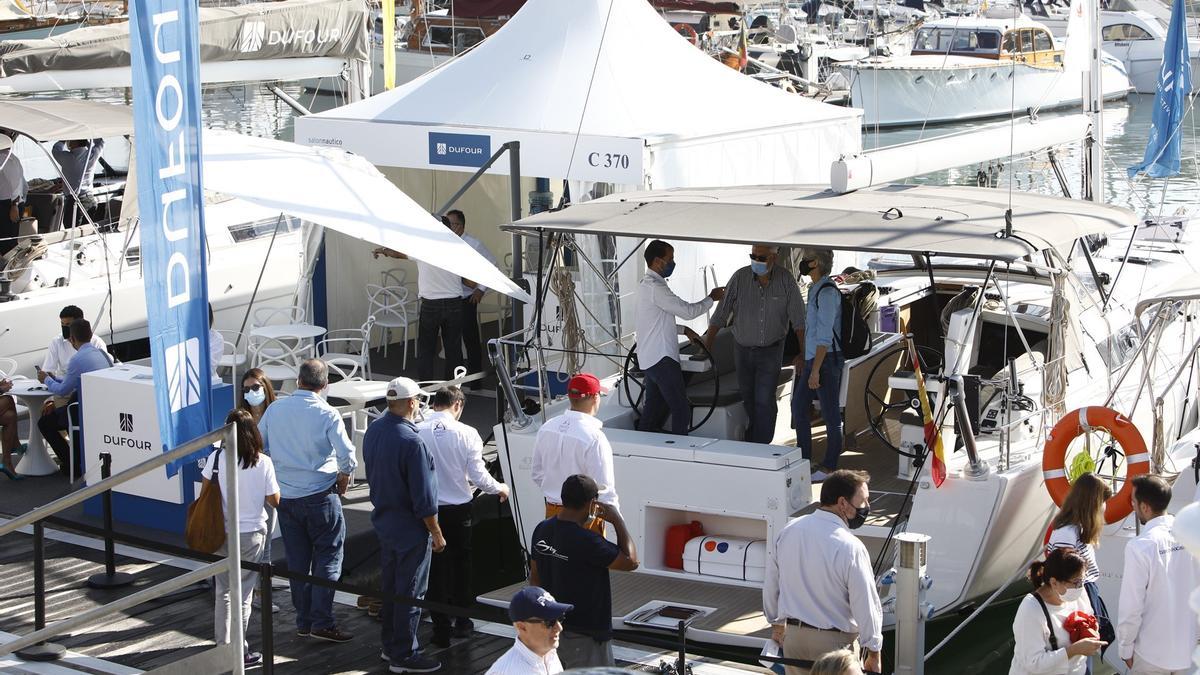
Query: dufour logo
column 253, row 33
column 441, row 148
column 183, row 373
column 459, row 149
column 126, row 420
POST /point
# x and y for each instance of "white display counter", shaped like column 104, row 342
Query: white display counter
column 120, row 418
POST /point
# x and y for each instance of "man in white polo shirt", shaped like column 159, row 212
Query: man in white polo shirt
column 658, row 340
column 574, row 443
column 538, row 617
column 440, row 315
column 457, row 452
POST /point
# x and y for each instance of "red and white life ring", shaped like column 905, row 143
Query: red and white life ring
column 1073, row 425
column 688, row 32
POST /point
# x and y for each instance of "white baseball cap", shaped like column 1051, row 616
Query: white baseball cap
column 402, row 388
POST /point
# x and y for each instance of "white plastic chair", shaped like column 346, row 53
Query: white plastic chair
column 349, row 343
column 285, row 315
column 388, row 306
column 398, row 276
column 8, row 371
column 233, row 353
column 278, row 359
column 343, row 369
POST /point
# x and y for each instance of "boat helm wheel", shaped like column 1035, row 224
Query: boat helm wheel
column 688, row 32
column 1109, row 440
column 885, row 406
column 634, row 383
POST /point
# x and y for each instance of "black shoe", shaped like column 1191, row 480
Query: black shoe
column 303, row 632
column 416, row 663
column 330, row 635
column 463, row 628
column 441, row 639
column 252, row 660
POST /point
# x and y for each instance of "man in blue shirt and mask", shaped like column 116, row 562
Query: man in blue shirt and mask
column 404, row 493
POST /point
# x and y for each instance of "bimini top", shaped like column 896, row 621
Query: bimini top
column 66, row 119
column 963, row 222
column 1183, row 289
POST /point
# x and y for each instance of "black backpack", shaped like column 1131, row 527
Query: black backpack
column 853, row 337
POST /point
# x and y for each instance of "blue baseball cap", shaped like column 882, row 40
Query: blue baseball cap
column 533, row 602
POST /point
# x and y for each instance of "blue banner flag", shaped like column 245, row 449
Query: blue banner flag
column 165, row 58
column 1170, row 101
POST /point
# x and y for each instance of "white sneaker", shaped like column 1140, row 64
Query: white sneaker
column 819, row 476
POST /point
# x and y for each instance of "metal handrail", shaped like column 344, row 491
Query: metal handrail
column 231, row 564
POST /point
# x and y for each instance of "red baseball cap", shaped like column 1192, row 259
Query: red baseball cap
column 584, row 384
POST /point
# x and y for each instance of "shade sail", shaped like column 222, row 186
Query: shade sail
column 1184, row 289
column 950, row 221
column 344, row 193
column 66, row 119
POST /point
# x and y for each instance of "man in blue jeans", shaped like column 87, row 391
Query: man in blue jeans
column 822, row 373
column 404, row 491
column 314, row 460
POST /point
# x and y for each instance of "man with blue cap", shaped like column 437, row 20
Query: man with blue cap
column 538, row 620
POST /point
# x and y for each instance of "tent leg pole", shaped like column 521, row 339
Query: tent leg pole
column 514, row 186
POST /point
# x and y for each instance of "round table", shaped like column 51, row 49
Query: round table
column 304, row 331
column 357, row 394
column 37, row 460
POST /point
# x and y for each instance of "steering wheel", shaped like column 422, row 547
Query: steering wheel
column 635, row 377
column 879, row 409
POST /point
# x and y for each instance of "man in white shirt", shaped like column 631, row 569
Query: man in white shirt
column 538, row 620
column 658, row 341
column 440, row 315
column 1156, row 629
column 60, row 351
column 77, row 163
column 457, row 452
column 472, row 293
column 574, row 443
column 12, row 194
column 819, row 593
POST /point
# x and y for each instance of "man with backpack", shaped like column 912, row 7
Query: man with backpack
column 821, row 376
column 762, row 302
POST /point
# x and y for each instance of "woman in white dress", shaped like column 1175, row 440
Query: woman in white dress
column 1043, row 645
column 257, row 487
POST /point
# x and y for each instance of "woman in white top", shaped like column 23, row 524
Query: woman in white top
column 1077, row 527
column 1042, row 645
column 257, row 488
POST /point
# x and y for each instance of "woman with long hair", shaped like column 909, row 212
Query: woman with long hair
column 257, row 488
column 1043, row 644
column 257, row 393
column 1077, row 527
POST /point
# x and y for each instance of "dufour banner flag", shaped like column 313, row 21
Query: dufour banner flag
column 1170, row 101
column 165, row 58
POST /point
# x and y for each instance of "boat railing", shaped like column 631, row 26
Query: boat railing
column 221, row 658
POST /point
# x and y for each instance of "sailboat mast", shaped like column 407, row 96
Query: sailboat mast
column 1093, row 188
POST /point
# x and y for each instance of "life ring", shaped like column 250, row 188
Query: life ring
column 688, row 32
column 1073, row 425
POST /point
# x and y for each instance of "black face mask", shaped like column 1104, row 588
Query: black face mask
column 66, row 332
column 860, row 517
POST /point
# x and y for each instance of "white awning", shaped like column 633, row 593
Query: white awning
column 344, row 193
column 1185, row 288
column 963, row 222
column 59, row 120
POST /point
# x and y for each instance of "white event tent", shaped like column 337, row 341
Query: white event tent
column 595, row 90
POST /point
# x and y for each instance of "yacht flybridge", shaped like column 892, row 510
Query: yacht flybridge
column 1011, row 301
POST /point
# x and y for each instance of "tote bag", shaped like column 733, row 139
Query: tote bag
column 205, row 530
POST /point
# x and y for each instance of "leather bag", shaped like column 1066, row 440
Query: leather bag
column 205, row 529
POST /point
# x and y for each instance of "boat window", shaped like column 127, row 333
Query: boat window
column 262, row 228
column 462, row 37
column 1011, row 45
column 988, row 40
column 934, row 39
column 1119, row 347
column 1042, row 41
column 1124, row 31
column 1027, row 40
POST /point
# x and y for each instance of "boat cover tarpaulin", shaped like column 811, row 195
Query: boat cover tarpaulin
column 271, row 30
column 960, row 222
column 65, row 119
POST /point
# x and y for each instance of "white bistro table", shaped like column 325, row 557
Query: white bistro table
column 37, row 460
column 303, row 331
column 357, row 394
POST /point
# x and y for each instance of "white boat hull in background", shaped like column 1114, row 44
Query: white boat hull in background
column 934, row 89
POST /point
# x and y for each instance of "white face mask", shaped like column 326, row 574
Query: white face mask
column 1072, row 594
column 255, row 397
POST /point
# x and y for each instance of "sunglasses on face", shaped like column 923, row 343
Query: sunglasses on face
column 758, row 258
column 254, row 387
column 550, row 624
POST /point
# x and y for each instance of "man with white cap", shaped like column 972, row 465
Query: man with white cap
column 404, row 495
column 537, row 616
column 12, row 193
column 574, row 443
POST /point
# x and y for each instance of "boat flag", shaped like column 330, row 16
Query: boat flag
column 1163, row 148
column 743, row 47
column 165, row 60
column 933, row 439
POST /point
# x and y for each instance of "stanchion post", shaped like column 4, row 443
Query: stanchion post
column 110, row 577
column 681, row 664
column 46, row 651
column 268, row 623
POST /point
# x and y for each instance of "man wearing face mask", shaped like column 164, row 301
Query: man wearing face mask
column 314, row 460
column 60, row 351
column 763, row 300
column 86, row 359
column 1156, row 628
column 658, row 341
column 457, row 452
column 12, row 193
column 819, row 593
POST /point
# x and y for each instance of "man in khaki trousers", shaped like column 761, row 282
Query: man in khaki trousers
column 820, row 592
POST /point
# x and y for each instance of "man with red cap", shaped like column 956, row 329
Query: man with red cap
column 574, row 443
